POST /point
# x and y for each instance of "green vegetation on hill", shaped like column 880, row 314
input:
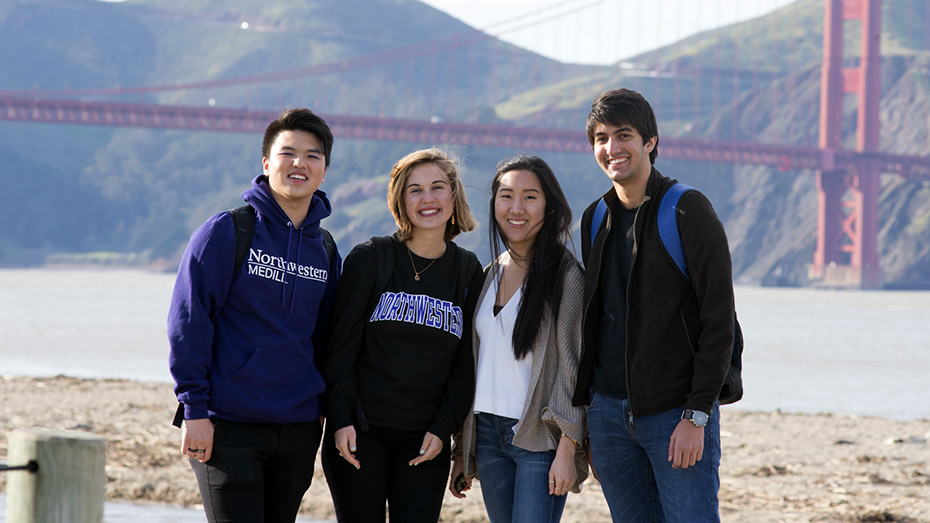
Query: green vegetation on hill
column 73, row 191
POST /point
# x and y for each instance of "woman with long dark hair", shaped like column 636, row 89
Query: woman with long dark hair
column 523, row 437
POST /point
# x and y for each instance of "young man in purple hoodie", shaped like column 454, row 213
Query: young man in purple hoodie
column 245, row 341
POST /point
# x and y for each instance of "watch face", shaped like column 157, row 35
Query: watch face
column 699, row 418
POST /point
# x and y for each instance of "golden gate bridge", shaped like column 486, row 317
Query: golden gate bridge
column 847, row 180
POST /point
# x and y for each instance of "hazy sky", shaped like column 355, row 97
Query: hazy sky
column 600, row 31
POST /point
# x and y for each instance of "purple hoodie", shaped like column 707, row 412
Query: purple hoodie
column 245, row 349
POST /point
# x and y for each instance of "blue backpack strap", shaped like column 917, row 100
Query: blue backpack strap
column 732, row 390
column 598, row 219
column 668, row 226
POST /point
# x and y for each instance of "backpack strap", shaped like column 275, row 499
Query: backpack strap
column 668, row 226
column 732, row 390
column 244, row 219
column 384, row 256
column 598, row 220
column 329, row 244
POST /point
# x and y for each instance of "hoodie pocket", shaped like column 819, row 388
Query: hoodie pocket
column 272, row 386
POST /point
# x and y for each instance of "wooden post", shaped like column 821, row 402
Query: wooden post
column 70, row 483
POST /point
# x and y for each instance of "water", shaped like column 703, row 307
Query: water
column 812, row 351
column 90, row 324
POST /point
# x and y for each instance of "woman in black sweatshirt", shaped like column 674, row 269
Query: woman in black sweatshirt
column 400, row 375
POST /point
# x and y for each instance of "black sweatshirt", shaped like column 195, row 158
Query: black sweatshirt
column 401, row 356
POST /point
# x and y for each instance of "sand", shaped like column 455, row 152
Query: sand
column 777, row 467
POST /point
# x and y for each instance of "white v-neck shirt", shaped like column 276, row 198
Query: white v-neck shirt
column 502, row 379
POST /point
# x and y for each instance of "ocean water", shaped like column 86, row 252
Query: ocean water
column 862, row 353
column 865, row 353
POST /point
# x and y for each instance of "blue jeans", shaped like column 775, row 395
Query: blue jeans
column 630, row 456
column 514, row 481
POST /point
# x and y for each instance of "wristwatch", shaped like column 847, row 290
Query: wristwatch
column 697, row 417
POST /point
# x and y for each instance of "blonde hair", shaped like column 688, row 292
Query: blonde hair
column 462, row 219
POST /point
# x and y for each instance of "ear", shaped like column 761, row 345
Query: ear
column 651, row 144
column 265, row 165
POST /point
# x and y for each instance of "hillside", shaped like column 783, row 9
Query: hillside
column 143, row 191
column 770, row 215
column 138, row 193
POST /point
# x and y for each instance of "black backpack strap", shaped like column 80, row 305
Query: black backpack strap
column 384, row 256
column 244, row 222
column 244, row 219
column 329, row 244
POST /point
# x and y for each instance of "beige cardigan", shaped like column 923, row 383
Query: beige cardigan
column 547, row 412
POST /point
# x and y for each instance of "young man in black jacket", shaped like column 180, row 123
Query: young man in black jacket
column 656, row 345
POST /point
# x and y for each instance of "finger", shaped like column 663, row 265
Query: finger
column 431, row 453
column 551, row 485
column 352, row 442
column 350, row 457
column 429, row 449
column 347, row 448
column 425, row 447
column 185, row 440
column 197, row 450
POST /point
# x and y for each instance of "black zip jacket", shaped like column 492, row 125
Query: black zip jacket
column 679, row 333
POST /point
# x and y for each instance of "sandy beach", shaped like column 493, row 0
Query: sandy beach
column 777, row 467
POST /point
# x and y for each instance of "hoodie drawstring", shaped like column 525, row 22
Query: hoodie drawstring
column 300, row 238
column 300, row 241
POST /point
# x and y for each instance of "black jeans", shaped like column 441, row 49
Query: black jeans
column 413, row 494
column 258, row 472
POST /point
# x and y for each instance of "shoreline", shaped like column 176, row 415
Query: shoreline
column 776, row 466
column 170, row 266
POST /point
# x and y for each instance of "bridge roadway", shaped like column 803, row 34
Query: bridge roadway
column 62, row 111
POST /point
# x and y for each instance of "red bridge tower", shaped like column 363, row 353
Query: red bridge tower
column 847, row 200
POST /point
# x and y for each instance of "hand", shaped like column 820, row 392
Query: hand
column 345, row 444
column 591, row 461
column 197, row 439
column 562, row 474
column 686, row 447
column 458, row 467
column 428, row 450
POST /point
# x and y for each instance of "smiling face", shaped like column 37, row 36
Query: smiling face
column 295, row 167
column 519, row 209
column 428, row 201
column 622, row 153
